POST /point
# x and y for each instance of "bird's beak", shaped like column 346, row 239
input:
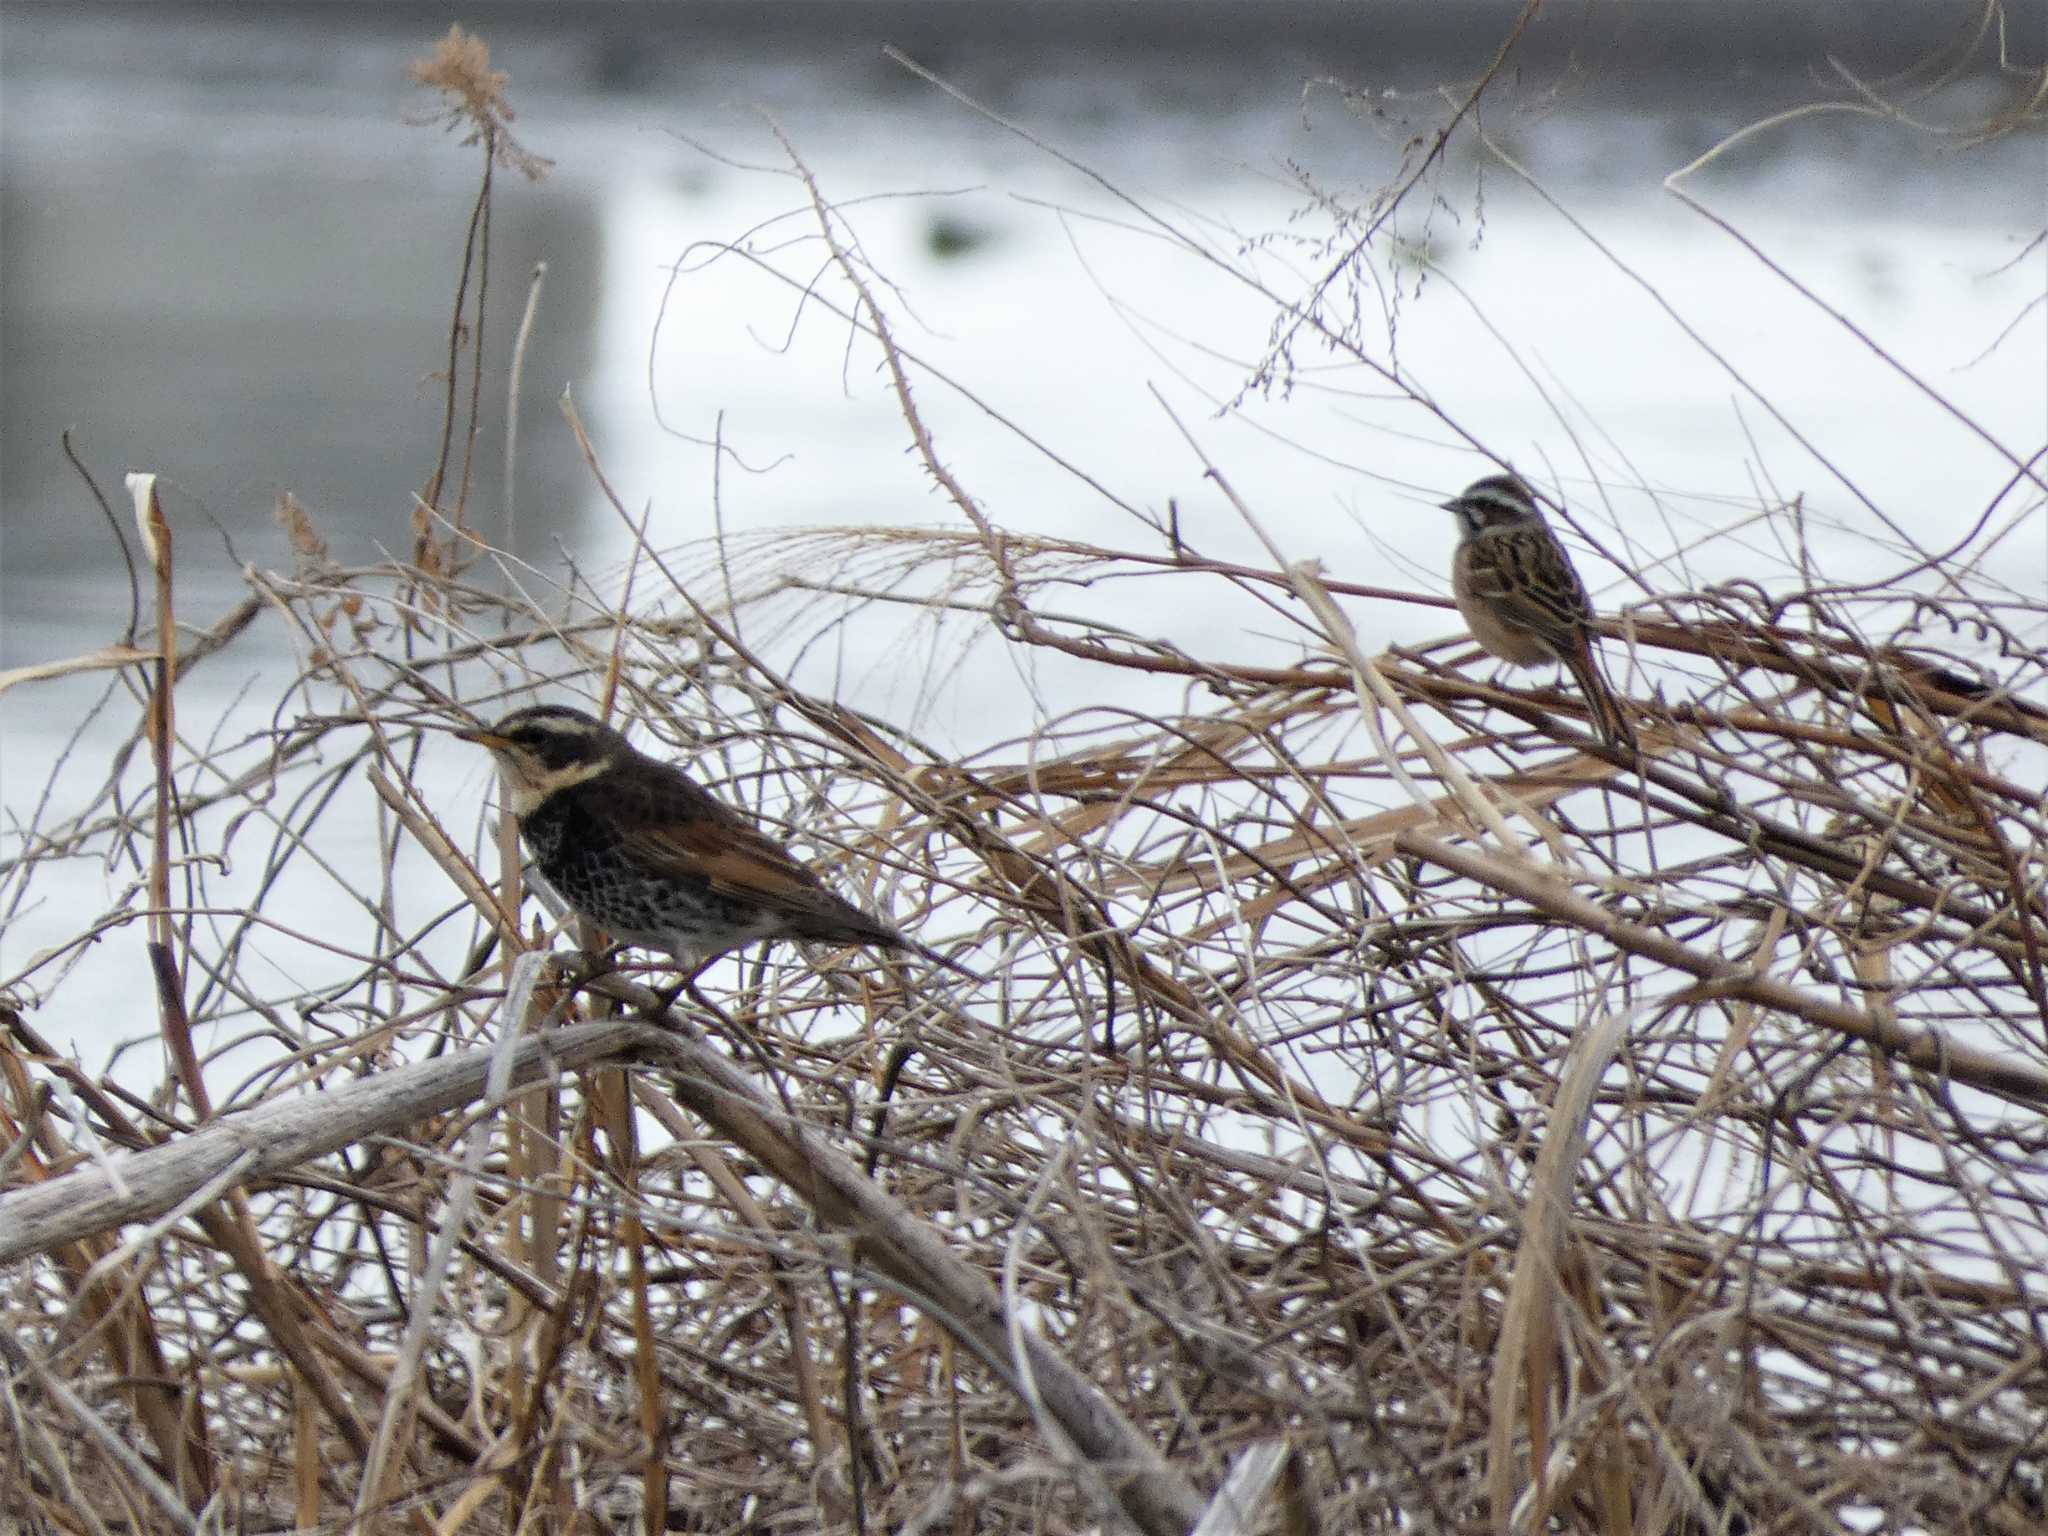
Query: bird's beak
column 483, row 738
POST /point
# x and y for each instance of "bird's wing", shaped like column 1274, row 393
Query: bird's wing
column 732, row 858
column 675, row 828
column 1531, row 579
column 736, row 860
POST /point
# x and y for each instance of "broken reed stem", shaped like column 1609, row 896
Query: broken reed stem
column 160, row 712
column 1547, row 1269
column 514, row 382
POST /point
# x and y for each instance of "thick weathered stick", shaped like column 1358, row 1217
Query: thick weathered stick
column 908, row 1251
column 139, row 1186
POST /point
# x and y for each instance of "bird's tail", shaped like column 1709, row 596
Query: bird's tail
column 1610, row 719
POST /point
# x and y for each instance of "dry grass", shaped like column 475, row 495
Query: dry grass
column 1530, row 1137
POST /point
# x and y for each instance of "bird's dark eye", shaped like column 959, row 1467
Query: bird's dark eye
column 552, row 749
